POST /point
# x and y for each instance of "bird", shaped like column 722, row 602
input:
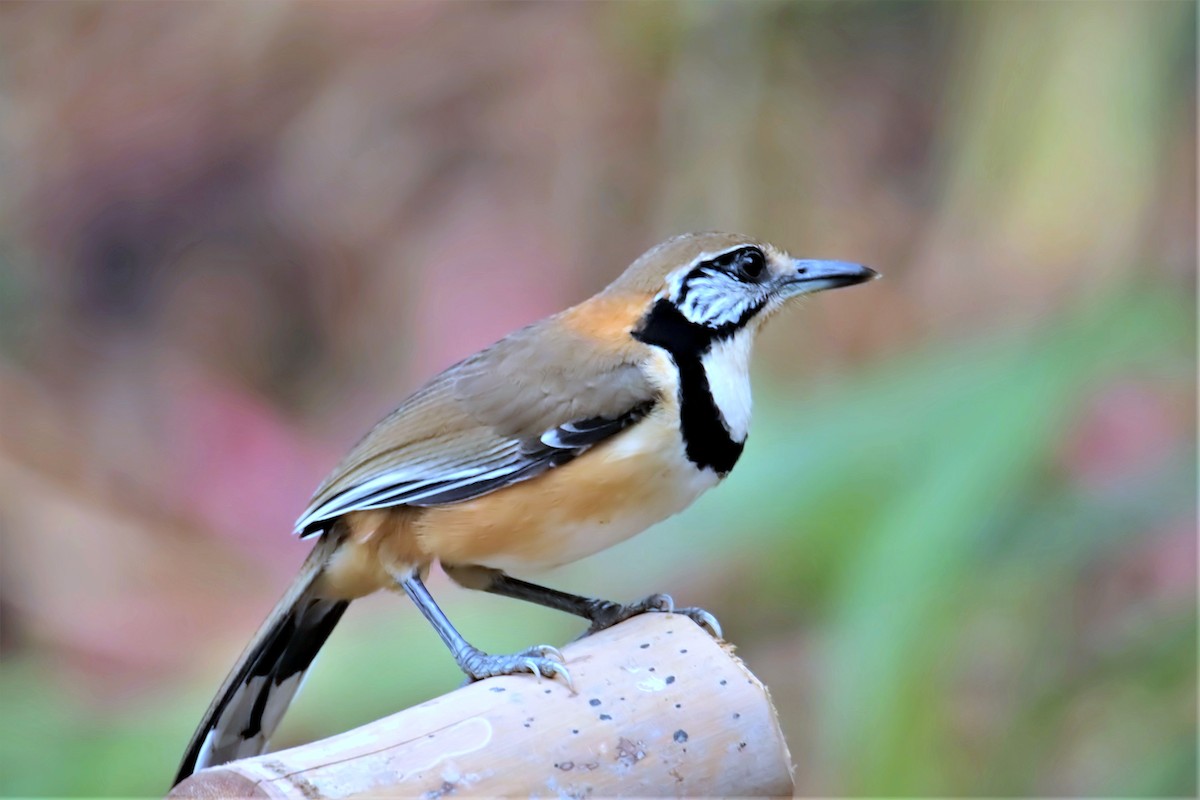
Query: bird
column 558, row 441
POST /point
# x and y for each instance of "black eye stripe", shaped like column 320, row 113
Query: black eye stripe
column 745, row 263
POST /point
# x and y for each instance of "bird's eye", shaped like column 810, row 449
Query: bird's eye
column 751, row 264
column 747, row 263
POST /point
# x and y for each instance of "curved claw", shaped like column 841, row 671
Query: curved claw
column 606, row 614
column 663, row 603
column 657, row 602
column 548, row 668
column 704, row 620
column 545, row 651
column 540, row 661
column 559, row 669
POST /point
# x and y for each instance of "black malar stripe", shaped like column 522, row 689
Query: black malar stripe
column 705, row 437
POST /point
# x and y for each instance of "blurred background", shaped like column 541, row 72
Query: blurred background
column 961, row 544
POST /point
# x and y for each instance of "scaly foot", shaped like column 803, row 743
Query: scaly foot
column 605, row 613
column 540, row 660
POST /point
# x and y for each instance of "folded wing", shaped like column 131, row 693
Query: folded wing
column 505, row 415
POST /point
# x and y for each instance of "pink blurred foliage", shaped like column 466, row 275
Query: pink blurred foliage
column 1127, row 430
column 238, row 467
column 240, row 216
column 496, row 272
column 1130, row 432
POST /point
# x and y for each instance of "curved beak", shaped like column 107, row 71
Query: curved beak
column 816, row 276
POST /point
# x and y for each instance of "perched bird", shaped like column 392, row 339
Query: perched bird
column 562, row 439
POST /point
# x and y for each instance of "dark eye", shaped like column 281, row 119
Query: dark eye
column 750, row 264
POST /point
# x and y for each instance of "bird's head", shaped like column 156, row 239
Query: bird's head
column 718, row 284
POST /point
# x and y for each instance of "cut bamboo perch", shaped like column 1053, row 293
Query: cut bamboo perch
column 662, row 709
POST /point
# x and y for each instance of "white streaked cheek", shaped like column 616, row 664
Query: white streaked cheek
column 714, row 300
column 727, row 366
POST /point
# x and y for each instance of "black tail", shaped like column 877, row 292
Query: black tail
column 258, row 691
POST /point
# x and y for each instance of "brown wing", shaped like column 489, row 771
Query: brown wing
column 530, row 402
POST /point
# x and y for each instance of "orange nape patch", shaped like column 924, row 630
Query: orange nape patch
column 608, row 320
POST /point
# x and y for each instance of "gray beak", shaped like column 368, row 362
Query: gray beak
column 817, row 276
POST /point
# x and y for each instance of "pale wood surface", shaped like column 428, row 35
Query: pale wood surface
column 662, row 709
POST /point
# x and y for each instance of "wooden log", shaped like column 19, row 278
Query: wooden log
column 661, row 709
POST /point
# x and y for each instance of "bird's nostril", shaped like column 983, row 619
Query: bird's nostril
column 802, row 271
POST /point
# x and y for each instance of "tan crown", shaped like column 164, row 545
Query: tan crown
column 648, row 274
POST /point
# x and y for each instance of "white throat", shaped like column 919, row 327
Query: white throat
column 727, row 367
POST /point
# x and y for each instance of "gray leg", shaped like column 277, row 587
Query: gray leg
column 539, row 660
column 601, row 613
